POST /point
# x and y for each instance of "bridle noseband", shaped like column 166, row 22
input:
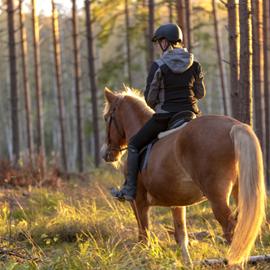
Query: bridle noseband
column 112, row 119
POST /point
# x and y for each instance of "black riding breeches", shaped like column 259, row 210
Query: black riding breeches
column 156, row 124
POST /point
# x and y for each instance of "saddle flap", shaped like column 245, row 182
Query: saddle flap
column 180, row 118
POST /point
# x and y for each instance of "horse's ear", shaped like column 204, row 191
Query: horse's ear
column 109, row 95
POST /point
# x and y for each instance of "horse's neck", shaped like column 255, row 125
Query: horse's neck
column 134, row 117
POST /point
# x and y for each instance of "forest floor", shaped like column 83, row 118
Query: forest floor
column 79, row 226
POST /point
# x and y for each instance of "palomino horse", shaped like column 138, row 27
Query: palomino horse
column 210, row 158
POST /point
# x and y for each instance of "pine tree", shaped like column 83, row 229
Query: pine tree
column 92, row 77
column 234, row 59
column 127, row 24
column 266, row 27
column 13, row 82
column 151, row 20
column 188, row 25
column 77, row 75
column 58, row 76
column 26, row 88
column 181, row 19
column 38, row 88
column 219, row 55
column 245, row 78
column 257, row 66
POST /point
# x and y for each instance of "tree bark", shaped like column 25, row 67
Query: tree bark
column 266, row 27
column 234, row 59
column 151, row 18
column 39, row 99
column 92, row 77
column 257, row 66
column 181, row 19
column 58, row 76
column 127, row 23
column 77, row 74
column 253, row 260
column 26, row 89
column 245, row 79
column 13, row 83
column 170, row 9
column 188, row 25
column 146, row 34
column 219, row 55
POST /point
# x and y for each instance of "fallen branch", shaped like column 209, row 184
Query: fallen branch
column 252, row 260
column 4, row 252
column 259, row 258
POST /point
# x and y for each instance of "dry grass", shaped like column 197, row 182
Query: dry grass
column 79, row 226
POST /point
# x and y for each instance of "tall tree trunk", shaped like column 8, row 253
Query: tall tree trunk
column 266, row 28
column 58, row 76
column 170, row 9
column 234, row 59
column 128, row 42
column 92, row 77
column 77, row 74
column 181, row 19
column 151, row 22
column 188, row 25
column 26, row 89
column 13, row 83
column 39, row 99
column 146, row 33
column 220, row 64
column 245, row 79
column 257, row 66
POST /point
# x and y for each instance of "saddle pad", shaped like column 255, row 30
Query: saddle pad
column 144, row 155
column 168, row 132
column 145, row 152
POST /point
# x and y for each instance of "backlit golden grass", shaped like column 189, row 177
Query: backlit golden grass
column 79, row 226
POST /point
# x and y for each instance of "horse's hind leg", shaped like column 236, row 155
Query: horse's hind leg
column 225, row 217
column 180, row 234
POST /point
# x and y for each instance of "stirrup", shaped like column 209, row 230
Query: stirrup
column 121, row 196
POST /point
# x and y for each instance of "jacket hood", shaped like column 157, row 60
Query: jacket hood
column 178, row 60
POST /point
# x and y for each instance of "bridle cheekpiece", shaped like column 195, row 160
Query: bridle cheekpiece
column 112, row 120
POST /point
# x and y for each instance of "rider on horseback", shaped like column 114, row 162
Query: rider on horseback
column 174, row 84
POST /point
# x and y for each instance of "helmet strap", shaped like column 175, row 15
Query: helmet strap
column 164, row 49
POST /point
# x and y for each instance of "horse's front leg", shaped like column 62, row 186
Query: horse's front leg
column 180, row 234
column 141, row 208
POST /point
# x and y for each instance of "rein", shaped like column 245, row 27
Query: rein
column 112, row 120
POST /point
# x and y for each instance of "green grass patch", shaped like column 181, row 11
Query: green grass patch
column 80, row 227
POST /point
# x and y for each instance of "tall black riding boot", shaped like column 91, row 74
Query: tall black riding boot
column 128, row 191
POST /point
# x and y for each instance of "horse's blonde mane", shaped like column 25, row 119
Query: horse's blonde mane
column 136, row 95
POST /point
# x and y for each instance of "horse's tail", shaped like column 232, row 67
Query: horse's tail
column 252, row 194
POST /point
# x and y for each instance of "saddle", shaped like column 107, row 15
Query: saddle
column 178, row 121
column 180, row 118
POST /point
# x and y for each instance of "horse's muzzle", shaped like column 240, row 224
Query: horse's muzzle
column 107, row 154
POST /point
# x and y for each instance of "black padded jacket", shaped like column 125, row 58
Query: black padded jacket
column 175, row 83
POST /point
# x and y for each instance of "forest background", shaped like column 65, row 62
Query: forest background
column 56, row 57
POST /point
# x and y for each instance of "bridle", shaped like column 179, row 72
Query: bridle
column 112, row 120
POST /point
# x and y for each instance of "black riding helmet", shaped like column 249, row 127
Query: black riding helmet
column 170, row 31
